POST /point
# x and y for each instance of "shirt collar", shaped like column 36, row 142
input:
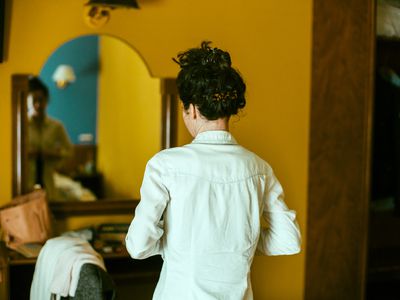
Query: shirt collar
column 214, row 137
column 45, row 120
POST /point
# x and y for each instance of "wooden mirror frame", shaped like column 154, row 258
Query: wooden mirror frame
column 20, row 89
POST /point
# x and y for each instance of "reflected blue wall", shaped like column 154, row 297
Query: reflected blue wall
column 76, row 105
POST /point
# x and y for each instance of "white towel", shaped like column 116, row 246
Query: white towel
column 58, row 267
column 67, row 270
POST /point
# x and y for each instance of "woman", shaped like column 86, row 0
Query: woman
column 201, row 203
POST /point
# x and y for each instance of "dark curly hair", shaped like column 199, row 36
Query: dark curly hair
column 36, row 84
column 207, row 80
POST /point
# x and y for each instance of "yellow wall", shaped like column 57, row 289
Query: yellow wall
column 270, row 42
column 130, row 104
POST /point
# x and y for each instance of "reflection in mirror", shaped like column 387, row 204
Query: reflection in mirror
column 48, row 142
column 98, row 132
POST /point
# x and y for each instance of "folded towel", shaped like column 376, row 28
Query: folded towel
column 58, row 267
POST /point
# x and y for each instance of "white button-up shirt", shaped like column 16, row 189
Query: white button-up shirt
column 200, row 209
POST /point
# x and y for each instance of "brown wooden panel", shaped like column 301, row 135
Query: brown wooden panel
column 340, row 133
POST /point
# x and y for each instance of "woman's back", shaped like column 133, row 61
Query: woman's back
column 212, row 217
column 214, row 186
column 212, row 221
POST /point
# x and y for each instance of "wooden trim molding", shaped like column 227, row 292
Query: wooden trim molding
column 339, row 154
column 169, row 108
column 100, row 207
column 20, row 87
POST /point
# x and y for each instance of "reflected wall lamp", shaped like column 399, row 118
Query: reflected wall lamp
column 63, row 75
column 97, row 12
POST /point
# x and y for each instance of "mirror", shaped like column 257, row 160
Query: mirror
column 115, row 117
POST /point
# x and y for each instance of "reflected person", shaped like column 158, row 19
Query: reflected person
column 201, row 204
column 48, row 141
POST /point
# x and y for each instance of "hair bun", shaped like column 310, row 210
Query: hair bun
column 204, row 56
column 215, row 57
column 208, row 81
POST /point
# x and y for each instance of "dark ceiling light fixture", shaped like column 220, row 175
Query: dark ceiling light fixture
column 114, row 3
column 97, row 12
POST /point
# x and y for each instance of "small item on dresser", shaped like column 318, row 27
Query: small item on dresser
column 26, row 220
column 83, row 233
column 112, row 232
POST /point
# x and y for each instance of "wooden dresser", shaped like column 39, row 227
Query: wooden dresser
column 16, row 273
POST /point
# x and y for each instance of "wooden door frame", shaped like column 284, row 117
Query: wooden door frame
column 340, row 145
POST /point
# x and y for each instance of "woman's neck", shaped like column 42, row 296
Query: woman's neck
column 219, row 124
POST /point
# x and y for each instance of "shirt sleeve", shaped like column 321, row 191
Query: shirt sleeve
column 65, row 143
column 146, row 230
column 282, row 234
